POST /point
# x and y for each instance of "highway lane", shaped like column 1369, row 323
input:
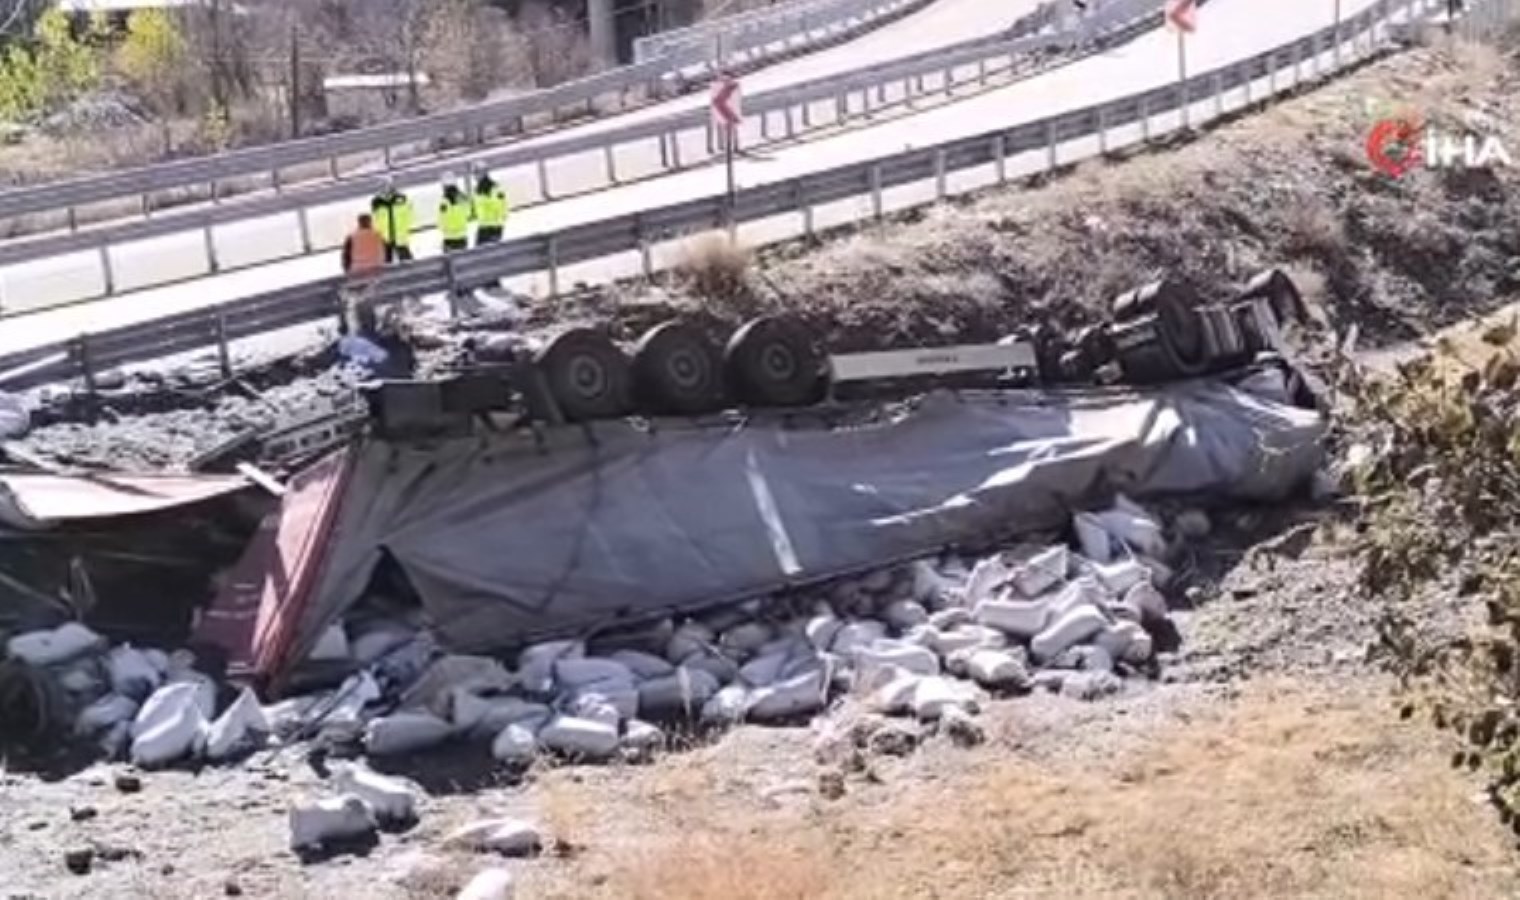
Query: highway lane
column 135, row 267
column 1230, row 29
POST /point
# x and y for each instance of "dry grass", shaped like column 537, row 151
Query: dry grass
column 714, row 265
column 1285, row 793
column 1312, row 231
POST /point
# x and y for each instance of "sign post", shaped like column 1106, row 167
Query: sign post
column 727, row 113
column 1182, row 17
column 1337, row 56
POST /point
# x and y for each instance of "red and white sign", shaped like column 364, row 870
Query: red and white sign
column 727, row 102
column 1182, row 15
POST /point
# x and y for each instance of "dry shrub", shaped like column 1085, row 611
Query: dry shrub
column 1311, row 230
column 715, row 266
column 568, row 811
column 1440, row 507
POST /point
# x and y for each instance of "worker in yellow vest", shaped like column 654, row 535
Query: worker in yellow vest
column 454, row 215
column 392, row 213
column 491, row 210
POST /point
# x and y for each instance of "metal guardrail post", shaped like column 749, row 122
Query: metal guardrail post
column 1145, row 120
column 1216, row 87
column 1000, row 158
column 799, row 192
column 303, row 225
column 210, row 241
column 223, row 352
column 876, row 201
column 332, row 167
column 147, row 206
column 108, row 276
column 1103, row 130
column 646, row 253
column 791, row 126
column 1272, row 74
column 611, row 163
column 939, row 175
column 551, row 255
column 275, row 182
column 543, row 179
column 675, row 149
column 1050, row 145
column 216, row 194
column 73, row 220
column 79, row 348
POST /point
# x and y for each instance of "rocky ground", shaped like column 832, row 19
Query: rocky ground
column 1267, row 760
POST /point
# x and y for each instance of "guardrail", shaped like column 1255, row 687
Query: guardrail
column 771, row 115
column 474, row 125
column 252, row 316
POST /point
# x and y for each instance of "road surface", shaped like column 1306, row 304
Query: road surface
column 1229, row 30
column 149, row 264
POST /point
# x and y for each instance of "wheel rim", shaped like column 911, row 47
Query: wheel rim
column 588, row 376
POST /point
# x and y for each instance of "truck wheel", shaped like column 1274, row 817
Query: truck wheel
column 772, row 361
column 677, row 370
column 587, row 374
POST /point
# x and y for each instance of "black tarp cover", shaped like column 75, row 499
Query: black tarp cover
column 508, row 540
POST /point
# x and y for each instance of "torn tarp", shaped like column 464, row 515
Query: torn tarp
column 506, row 540
column 32, row 500
column 131, row 555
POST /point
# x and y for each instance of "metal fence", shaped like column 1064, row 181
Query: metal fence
column 777, row 114
column 1283, row 68
column 656, row 77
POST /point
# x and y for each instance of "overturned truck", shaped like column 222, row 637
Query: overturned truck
column 574, row 489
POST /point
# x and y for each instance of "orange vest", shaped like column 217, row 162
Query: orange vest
column 366, row 251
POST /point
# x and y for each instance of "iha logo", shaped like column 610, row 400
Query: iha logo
column 1397, row 146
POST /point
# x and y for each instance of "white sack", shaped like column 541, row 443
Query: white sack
column 579, row 737
column 169, row 725
column 241, row 726
column 52, row 646
column 315, row 823
column 1077, row 625
column 643, row 665
column 797, row 696
column 391, row 799
column 681, row 694
column 1019, row 618
column 405, row 732
column 515, row 745
column 105, row 713
column 727, row 706
column 1042, row 571
column 133, row 673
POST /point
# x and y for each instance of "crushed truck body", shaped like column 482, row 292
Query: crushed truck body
column 512, row 538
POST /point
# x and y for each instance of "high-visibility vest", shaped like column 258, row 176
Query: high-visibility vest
column 366, row 251
column 393, row 219
column 491, row 208
column 454, row 219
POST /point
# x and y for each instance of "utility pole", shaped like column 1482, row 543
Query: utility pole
column 293, row 92
column 218, row 89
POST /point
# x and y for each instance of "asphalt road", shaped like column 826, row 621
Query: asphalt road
column 1229, row 30
column 147, row 264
